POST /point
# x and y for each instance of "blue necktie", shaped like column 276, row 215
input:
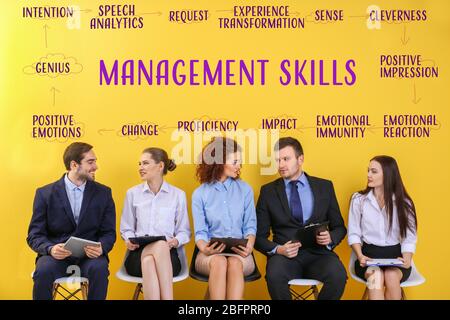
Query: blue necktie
column 295, row 203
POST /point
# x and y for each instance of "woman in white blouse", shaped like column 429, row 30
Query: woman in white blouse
column 155, row 208
column 383, row 225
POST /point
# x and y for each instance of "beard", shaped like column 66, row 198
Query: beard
column 84, row 175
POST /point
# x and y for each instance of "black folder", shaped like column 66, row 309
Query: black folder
column 230, row 243
column 307, row 234
column 143, row 241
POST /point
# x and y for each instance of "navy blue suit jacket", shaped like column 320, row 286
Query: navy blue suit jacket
column 53, row 222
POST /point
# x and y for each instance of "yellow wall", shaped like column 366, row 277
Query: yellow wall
column 29, row 163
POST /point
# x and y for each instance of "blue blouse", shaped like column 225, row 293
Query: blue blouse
column 223, row 210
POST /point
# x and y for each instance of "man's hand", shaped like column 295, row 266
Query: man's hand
column 289, row 249
column 93, row 251
column 323, row 238
column 59, row 253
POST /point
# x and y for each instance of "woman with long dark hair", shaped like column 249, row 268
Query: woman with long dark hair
column 383, row 225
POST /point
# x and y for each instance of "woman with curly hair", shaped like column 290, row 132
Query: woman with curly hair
column 223, row 207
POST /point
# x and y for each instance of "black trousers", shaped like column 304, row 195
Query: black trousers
column 311, row 264
column 48, row 269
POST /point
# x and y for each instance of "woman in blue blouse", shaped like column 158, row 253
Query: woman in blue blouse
column 223, row 207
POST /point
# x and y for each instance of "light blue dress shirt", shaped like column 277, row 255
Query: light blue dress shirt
column 305, row 193
column 75, row 195
column 223, row 210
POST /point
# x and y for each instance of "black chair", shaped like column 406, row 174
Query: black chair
column 255, row 275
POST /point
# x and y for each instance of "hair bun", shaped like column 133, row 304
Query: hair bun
column 171, row 165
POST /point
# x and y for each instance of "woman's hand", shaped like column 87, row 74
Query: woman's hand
column 406, row 262
column 213, row 248
column 131, row 246
column 363, row 260
column 173, row 243
column 243, row 251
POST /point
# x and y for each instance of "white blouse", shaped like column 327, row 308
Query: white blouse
column 368, row 223
column 161, row 214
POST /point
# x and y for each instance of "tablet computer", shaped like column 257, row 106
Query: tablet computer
column 145, row 240
column 230, row 243
column 76, row 246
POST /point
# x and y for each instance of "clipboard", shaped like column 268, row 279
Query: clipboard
column 384, row 262
column 143, row 241
column 230, row 243
column 307, row 234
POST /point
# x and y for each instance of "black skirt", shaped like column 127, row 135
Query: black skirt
column 376, row 252
column 134, row 267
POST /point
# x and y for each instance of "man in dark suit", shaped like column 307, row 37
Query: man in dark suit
column 285, row 205
column 75, row 205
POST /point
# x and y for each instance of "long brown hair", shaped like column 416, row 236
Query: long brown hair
column 213, row 158
column 393, row 185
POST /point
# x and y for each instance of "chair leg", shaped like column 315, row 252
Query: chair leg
column 315, row 292
column 64, row 293
column 55, row 290
column 294, row 294
column 137, row 291
column 403, row 295
column 365, row 294
column 207, row 293
column 84, row 290
column 311, row 291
